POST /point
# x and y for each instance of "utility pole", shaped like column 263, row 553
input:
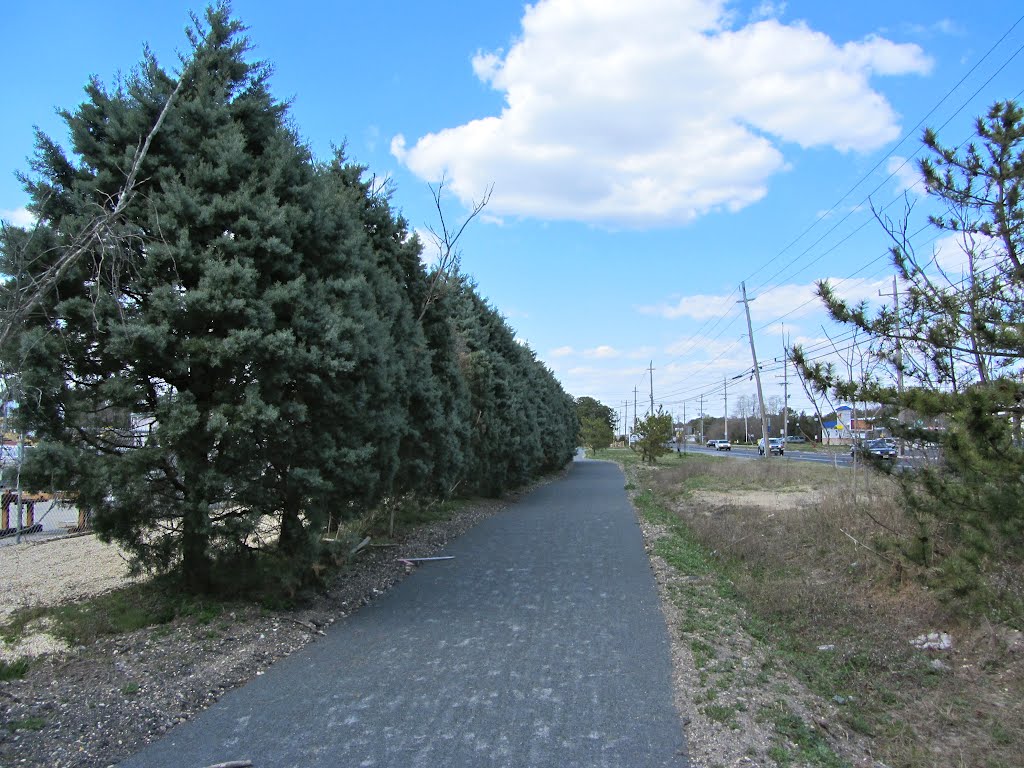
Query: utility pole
column 685, row 441
column 635, row 411
column 785, row 385
column 725, row 383
column 650, row 370
column 702, row 419
column 899, row 352
column 625, row 420
column 757, row 374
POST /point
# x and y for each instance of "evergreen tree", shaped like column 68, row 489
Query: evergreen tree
column 182, row 318
column 958, row 341
column 234, row 343
column 653, row 434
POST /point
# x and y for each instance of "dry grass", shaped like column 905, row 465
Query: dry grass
column 819, row 566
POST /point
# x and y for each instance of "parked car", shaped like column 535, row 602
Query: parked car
column 881, row 448
column 720, row 445
column 775, row 445
column 796, row 439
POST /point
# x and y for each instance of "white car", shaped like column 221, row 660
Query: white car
column 720, row 445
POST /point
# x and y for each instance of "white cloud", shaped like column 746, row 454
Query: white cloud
column 699, row 346
column 768, row 10
column 657, row 111
column 794, row 299
column 18, row 217
column 430, row 254
column 603, row 352
column 561, row 352
column 941, row 27
column 641, row 353
column 905, row 175
column 950, row 254
column 699, row 307
column 371, row 135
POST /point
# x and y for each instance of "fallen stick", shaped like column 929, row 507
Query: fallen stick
column 232, row 764
column 873, row 552
column 414, row 560
column 360, row 546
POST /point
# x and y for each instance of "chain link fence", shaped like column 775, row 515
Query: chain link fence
column 43, row 516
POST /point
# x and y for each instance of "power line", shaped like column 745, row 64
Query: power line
column 901, row 142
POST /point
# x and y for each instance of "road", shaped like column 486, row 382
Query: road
column 843, row 458
column 540, row 644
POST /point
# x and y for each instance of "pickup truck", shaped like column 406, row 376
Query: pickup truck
column 775, row 445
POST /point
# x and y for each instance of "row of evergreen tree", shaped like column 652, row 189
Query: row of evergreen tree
column 264, row 316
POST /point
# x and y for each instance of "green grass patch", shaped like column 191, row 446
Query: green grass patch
column 26, row 724
column 123, row 610
column 703, row 652
column 721, row 713
column 13, row 670
column 809, row 747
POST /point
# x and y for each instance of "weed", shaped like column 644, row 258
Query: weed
column 123, row 610
column 13, row 670
column 810, row 747
column 721, row 713
column 203, row 611
column 130, row 689
column 1000, row 734
column 26, row 724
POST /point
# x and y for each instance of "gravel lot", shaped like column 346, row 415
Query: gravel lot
column 57, row 570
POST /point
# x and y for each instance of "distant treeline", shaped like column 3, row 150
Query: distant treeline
column 267, row 320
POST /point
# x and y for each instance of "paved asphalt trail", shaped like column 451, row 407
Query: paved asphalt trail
column 541, row 644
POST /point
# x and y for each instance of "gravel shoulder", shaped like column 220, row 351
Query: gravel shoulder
column 723, row 695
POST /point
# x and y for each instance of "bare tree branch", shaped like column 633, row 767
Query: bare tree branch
column 446, row 242
column 101, row 232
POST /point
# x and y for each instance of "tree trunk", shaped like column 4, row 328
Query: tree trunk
column 292, row 541
column 195, row 548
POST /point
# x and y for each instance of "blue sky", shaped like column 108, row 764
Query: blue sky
column 646, row 157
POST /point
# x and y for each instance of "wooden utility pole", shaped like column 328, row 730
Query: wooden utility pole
column 635, row 411
column 684, row 427
column 785, row 385
column 725, row 383
column 625, row 421
column 899, row 352
column 702, row 419
column 757, row 374
column 650, row 369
